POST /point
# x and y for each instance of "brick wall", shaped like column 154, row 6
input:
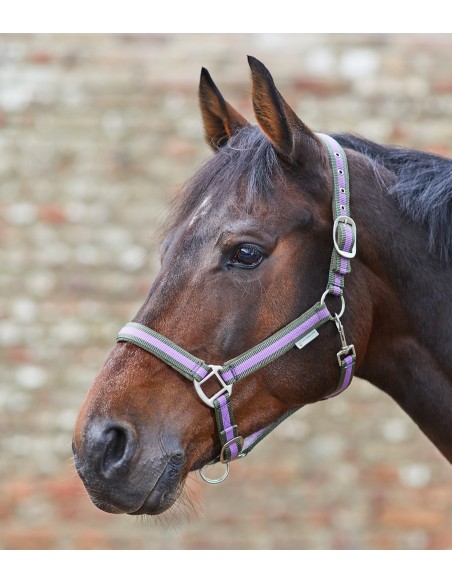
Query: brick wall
column 96, row 133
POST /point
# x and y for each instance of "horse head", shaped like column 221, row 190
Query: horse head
column 247, row 250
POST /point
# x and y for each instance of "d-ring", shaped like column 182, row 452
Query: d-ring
column 322, row 301
column 214, row 481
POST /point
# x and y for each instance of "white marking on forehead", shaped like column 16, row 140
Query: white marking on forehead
column 201, row 210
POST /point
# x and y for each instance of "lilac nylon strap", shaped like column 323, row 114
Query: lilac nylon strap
column 344, row 228
column 231, row 442
column 235, row 369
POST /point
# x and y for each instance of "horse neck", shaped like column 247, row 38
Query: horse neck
column 408, row 351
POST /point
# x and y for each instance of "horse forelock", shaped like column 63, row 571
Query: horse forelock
column 243, row 174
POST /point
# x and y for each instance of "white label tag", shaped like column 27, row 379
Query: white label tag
column 307, row 339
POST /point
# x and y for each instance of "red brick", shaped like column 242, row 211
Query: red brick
column 18, row 355
column 440, row 149
column 90, row 539
column 411, row 518
column 41, row 58
column 319, row 517
column 440, row 540
column 443, row 86
column 383, row 541
column 384, row 474
column 319, row 86
column 53, row 214
column 178, row 148
column 30, row 538
column 5, row 509
column 69, row 497
column 398, row 133
column 19, row 490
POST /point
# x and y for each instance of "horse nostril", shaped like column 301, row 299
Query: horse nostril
column 118, row 447
column 116, row 442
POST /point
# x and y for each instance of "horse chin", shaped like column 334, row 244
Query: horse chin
column 168, row 488
column 158, row 501
column 164, row 493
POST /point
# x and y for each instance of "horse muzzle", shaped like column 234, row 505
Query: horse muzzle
column 123, row 476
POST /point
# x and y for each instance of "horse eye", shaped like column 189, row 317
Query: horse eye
column 246, row 256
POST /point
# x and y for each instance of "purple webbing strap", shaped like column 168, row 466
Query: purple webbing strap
column 227, row 428
column 344, row 263
column 340, row 174
column 244, row 365
column 235, row 369
column 164, row 349
column 344, row 228
column 346, row 376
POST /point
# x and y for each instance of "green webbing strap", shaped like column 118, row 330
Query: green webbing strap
column 344, row 232
column 254, row 439
column 231, row 442
column 276, row 345
column 149, row 340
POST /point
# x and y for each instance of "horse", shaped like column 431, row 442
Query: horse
column 280, row 222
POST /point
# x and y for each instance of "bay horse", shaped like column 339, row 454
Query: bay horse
column 353, row 236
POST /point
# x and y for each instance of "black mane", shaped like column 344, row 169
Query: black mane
column 423, row 187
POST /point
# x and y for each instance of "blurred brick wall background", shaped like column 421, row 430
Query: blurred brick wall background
column 96, row 134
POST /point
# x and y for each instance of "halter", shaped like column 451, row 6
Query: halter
column 298, row 333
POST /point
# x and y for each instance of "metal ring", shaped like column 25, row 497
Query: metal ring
column 214, row 481
column 322, row 301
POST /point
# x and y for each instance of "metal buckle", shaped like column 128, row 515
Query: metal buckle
column 224, row 387
column 347, row 221
column 239, row 441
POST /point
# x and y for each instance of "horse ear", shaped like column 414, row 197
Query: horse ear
column 220, row 119
column 290, row 137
